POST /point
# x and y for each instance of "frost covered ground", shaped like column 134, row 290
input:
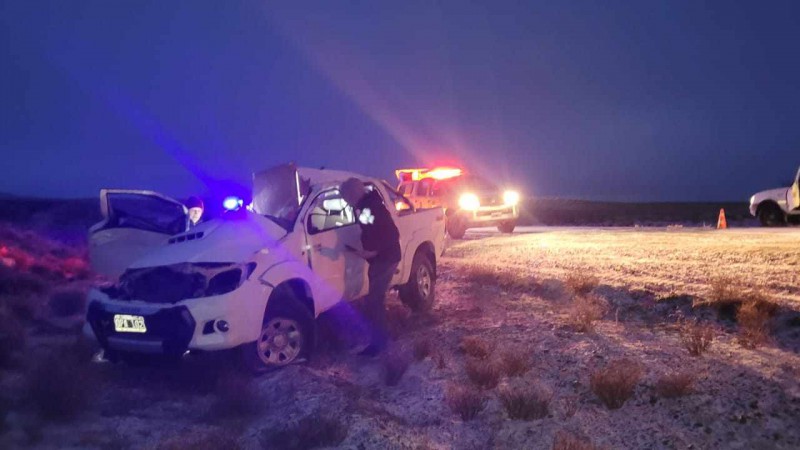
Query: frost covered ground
column 515, row 295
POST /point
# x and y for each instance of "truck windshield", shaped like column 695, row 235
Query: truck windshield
column 278, row 194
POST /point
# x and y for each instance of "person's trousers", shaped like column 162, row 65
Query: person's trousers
column 380, row 277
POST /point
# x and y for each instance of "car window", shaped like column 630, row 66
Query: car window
column 329, row 211
column 401, row 204
column 405, row 188
column 424, row 187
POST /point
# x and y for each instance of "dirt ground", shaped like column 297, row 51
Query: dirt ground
column 510, row 292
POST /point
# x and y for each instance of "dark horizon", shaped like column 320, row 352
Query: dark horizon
column 664, row 101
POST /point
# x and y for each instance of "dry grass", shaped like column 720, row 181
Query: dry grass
column 12, row 337
column 68, row 302
column 567, row 440
column 475, row 347
column 515, row 363
column 209, row 439
column 484, row 374
column 235, row 396
column 675, row 384
column 754, row 318
column 395, row 363
column 571, row 405
column 467, row 402
column 581, row 283
column 585, row 311
column 505, row 279
column 696, row 337
column 58, row 384
column 422, row 349
column 615, row 384
column 528, row 402
column 313, row 431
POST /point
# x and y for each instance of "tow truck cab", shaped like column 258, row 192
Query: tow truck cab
column 468, row 200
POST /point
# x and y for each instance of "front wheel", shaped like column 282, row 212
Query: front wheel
column 771, row 216
column 287, row 336
column 456, row 227
column 507, row 227
column 419, row 292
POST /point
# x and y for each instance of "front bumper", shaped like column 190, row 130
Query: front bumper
column 490, row 215
column 172, row 329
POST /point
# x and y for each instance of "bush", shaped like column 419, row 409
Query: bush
column 485, row 374
column 422, row 349
column 696, row 337
column 235, row 396
column 465, row 401
column 754, row 321
column 68, row 303
column 581, row 283
column 674, row 384
column 515, row 363
column 475, row 347
column 214, row 439
column 313, row 431
column 567, row 440
column 586, row 309
column 59, row 384
column 526, row 403
column 395, row 364
column 12, row 337
column 615, row 384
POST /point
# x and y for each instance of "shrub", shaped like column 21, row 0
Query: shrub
column 567, row 440
column 674, row 384
column 485, row 374
column 526, row 403
column 615, row 384
column 754, row 321
column 475, row 347
column 12, row 337
column 235, row 396
column 67, row 303
column 515, row 363
column 586, row 309
column 395, row 364
column 465, row 401
column 313, row 431
column 214, row 439
column 581, row 283
column 696, row 337
column 422, row 349
column 59, row 384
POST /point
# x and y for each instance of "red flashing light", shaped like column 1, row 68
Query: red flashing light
column 438, row 173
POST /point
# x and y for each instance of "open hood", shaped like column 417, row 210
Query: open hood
column 216, row 241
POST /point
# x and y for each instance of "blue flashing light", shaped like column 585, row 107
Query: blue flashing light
column 232, row 203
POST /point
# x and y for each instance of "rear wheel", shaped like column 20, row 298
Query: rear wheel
column 419, row 292
column 771, row 216
column 287, row 336
column 507, row 227
column 456, row 227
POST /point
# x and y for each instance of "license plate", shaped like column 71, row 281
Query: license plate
column 124, row 323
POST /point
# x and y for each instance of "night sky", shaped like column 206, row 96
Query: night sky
column 631, row 100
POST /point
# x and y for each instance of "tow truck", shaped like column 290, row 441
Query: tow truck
column 468, row 200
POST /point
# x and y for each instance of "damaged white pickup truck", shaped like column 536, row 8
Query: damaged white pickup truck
column 254, row 279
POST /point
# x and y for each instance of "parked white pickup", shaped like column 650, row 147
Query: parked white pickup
column 255, row 278
column 777, row 207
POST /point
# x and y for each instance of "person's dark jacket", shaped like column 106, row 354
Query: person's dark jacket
column 378, row 231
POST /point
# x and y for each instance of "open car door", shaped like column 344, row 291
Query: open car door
column 794, row 194
column 134, row 222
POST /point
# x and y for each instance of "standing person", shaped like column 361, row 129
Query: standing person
column 381, row 248
column 196, row 208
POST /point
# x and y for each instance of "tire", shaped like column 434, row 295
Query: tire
column 419, row 293
column 507, row 227
column 771, row 216
column 456, row 227
column 287, row 336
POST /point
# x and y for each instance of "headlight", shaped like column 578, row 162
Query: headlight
column 510, row 198
column 469, row 202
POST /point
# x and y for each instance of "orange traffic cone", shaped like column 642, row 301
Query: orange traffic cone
column 722, row 224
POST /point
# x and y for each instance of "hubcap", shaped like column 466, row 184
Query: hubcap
column 423, row 281
column 280, row 342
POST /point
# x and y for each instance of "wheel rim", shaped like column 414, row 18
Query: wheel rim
column 424, row 281
column 281, row 342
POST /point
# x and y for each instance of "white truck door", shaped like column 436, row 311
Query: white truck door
column 134, row 222
column 793, row 202
column 331, row 227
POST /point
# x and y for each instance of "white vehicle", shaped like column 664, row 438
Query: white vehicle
column 254, row 279
column 777, row 207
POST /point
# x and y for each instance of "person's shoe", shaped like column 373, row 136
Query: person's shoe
column 372, row 351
